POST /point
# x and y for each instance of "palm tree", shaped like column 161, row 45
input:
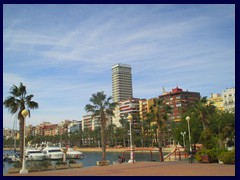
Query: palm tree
column 101, row 106
column 203, row 109
column 160, row 110
column 16, row 103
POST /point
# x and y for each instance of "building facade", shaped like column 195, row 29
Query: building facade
column 217, row 100
column 229, row 99
column 121, row 82
column 91, row 122
column 179, row 100
column 143, row 106
column 74, row 127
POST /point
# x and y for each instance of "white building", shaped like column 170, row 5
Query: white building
column 121, row 82
column 74, row 126
column 229, row 99
column 89, row 122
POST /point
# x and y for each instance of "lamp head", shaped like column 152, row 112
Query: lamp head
column 25, row 113
column 130, row 117
column 187, row 118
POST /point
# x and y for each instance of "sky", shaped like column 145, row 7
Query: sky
column 64, row 53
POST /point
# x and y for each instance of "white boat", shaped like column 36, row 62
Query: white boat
column 33, row 154
column 52, row 152
column 73, row 154
column 12, row 157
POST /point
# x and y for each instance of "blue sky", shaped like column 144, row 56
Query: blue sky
column 64, row 53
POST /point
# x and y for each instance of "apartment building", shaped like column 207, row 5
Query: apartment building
column 216, row 100
column 121, row 82
column 143, row 107
column 89, row 122
column 179, row 99
column 229, row 99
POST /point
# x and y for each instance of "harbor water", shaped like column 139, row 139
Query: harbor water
column 90, row 158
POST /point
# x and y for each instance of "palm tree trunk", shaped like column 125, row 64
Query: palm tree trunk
column 160, row 143
column 204, row 122
column 21, row 133
column 103, row 136
column 103, row 144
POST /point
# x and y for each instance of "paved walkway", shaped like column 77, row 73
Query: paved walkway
column 178, row 168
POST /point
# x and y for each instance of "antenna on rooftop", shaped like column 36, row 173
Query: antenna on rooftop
column 163, row 90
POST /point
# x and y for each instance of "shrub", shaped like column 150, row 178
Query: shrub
column 220, row 150
column 60, row 162
column 208, row 139
column 45, row 164
column 227, row 157
column 17, row 164
column 211, row 153
column 71, row 161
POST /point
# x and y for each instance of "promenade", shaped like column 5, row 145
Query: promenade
column 176, row 168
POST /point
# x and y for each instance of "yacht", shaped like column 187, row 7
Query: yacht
column 51, row 152
column 13, row 157
column 73, row 154
column 33, row 154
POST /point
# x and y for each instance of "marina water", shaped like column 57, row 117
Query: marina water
column 90, row 158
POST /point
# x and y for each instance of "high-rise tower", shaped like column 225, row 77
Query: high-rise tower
column 121, row 82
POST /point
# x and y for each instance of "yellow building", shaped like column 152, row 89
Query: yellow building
column 150, row 103
column 143, row 109
column 217, row 101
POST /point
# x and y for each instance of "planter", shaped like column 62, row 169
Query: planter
column 103, row 163
column 205, row 159
column 76, row 165
column 49, row 168
column 33, row 169
column 14, row 170
column 61, row 166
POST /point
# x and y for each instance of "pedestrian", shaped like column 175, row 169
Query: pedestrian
column 119, row 159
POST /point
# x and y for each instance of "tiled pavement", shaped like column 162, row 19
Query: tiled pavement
column 177, row 168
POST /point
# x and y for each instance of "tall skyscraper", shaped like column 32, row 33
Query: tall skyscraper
column 121, row 82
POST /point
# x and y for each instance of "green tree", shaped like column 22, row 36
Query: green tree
column 223, row 125
column 16, row 103
column 149, row 120
column 111, row 133
column 124, row 130
column 101, row 106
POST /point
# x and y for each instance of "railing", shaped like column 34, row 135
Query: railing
column 141, row 150
column 177, row 153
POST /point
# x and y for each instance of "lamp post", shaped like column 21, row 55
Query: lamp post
column 131, row 160
column 64, row 149
column 189, row 134
column 24, row 170
column 183, row 134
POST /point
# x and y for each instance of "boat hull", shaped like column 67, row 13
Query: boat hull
column 75, row 156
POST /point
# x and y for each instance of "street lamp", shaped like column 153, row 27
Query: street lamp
column 24, row 170
column 131, row 160
column 183, row 134
column 64, row 149
column 189, row 134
